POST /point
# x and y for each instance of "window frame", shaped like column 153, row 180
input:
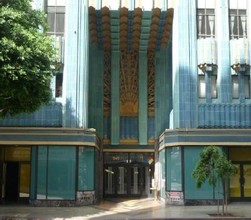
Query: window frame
column 209, row 79
column 238, row 19
column 242, row 82
column 205, row 14
column 56, row 20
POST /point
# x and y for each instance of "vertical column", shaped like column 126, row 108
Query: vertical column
column 249, row 37
column 158, row 94
column 168, row 89
column 184, row 65
column 222, row 37
column 163, row 89
column 143, row 91
column 96, row 89
column 33, row 164
column 115, row 97
column 75, row 84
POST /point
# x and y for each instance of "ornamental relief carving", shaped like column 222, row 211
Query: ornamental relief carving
column 129, row 83
column 151, row 99
column 129, row 76
column 107, row 82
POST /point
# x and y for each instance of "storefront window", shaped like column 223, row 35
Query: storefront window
column 162, row 173
column 61, row 173
column 42, row 170
column 174, row 176
column 86, row 168
column 56, row 173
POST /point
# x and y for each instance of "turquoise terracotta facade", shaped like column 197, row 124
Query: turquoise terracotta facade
column 182, row 123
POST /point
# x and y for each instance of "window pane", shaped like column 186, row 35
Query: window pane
column 141, row 158
column 201, row 3
column 60, row 23
column 174, row 182
column 61, row 173
column 148, row 5
column 247, row 86
column 202, row 86
column 213, row 86
column 86, row 168
column 24, row 186
column 96, row 170
column 41, row 173
column 17, row 154
column 57, row 2
column 205, row 4
column 109, row 180
column 237, row 4
column 59, row 84
column 238, row 18
column 56, row 19
column 50, row 20
column 116, row 158
column 235, row 86
column 162, row 172
column 205, row 23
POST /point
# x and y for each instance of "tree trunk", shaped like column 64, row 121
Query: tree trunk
column 224, row 193
column 226, row 196
column 218, row 198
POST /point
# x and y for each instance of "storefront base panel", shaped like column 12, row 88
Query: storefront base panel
column 52, row 203
column 174, row 198
column 86, row 198
column 202, row 202
column 83, row 199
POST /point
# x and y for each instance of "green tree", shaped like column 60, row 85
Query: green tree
column 26, row 56
column 213, row 166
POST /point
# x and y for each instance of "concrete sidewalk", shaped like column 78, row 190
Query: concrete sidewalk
column 123, row 209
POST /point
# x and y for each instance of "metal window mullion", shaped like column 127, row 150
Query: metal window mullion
column 47, row 172
column 208, row 94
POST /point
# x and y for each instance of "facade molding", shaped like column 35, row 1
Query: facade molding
column 202, row 137
column 48, row 136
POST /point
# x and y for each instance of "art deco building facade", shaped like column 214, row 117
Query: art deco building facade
column 142, row 88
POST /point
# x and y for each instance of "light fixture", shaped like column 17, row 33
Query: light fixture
column 207, row 67
column 238, row 67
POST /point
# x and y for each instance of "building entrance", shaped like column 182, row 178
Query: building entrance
column 127, row 178
column 11, row 182
column 14, row 174
column 240, row 187
column 240, row 183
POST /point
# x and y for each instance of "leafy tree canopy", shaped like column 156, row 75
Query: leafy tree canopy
column 212, row 165
column 25, row 58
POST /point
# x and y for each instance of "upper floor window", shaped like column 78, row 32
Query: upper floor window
column 238, row 18
column 241, row 86
column 56, row 19
column 56, row 23
column 59, row 84
column 205, row 18
column 207, row 86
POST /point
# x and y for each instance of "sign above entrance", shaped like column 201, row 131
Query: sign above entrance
column 110, row 158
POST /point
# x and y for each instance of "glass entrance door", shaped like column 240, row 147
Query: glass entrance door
column 128, row 174
column 240, row 183
column 2, row 180
column 246, row 180
column 122, row 182
column 126, row 180
column 135, row 181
